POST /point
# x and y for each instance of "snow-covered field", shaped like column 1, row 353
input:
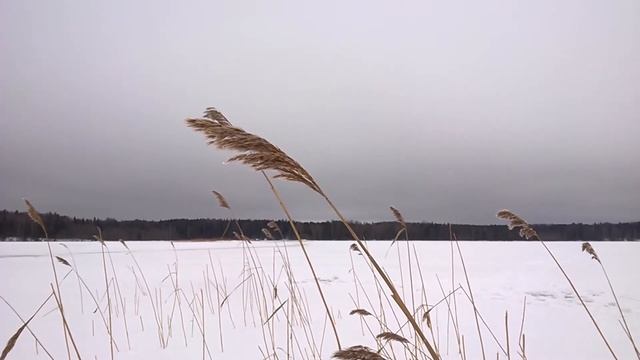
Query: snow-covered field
column 502, row 275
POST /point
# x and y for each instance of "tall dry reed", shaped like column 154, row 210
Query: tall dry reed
column 528, row 232
column 261, row 155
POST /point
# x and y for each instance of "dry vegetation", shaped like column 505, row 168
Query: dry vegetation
column 399, row 324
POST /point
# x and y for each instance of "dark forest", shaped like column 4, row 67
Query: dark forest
column 17, row 225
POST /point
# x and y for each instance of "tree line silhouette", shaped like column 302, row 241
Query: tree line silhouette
column 17, row 225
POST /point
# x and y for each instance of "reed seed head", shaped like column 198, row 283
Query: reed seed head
column 222, row 202
column 426, row 317
column 357, row 352
column 362, row 312
column 63, row 261
column 13, row 339
column 35, row 216
column 591, row 251
column 354, row 247
column 515, row 221
column 253, row 150
column 389, row 336
column 399, row 218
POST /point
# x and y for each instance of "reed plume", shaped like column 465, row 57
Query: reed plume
column 261, row 155
column 399, row 218
column 221, row 200
column 515, row 221
column 426, row 317
column 591, row 251
column 63, row 261
column 13, row 339
column 362, row 312
column 35, row 216
column 357, row 352
column 354, row 247
column 255, row 151
column 389, row 336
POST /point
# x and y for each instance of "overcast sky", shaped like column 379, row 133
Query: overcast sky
column 448, row 110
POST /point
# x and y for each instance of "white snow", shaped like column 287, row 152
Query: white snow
column 502, row 274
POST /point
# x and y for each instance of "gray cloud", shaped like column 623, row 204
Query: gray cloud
column 449, row 111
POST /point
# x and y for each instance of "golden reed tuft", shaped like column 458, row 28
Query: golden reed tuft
column 515, row 221
column 254, row 151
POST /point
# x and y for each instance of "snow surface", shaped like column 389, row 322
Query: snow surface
column 502, row 274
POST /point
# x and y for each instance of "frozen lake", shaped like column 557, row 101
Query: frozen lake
column 253, row 282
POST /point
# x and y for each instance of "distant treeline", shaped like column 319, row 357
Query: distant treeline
column 14, row 224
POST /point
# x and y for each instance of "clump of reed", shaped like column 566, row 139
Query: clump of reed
column 261, row 155
column 282, row 304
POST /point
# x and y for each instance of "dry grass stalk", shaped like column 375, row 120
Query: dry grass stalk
column 521, row 333
column 73, row 259
column 157, row 317
column 426, row 302
column 473, row 303
column 528, row 232
column 389, row 336
column 307, row 258
column 122, row 303
column 362, row 312
column 35, row 216
column 261, row 155
column 591, row 251
column 400, row 219
column 357, row 352
column 506, row 330
column 65, row 324
column 104, row 267
column 174, row 283
column 204, row 340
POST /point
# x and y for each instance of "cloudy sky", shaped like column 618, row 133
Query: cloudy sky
column 448, row 110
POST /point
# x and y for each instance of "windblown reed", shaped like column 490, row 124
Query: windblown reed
column 261, row 155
